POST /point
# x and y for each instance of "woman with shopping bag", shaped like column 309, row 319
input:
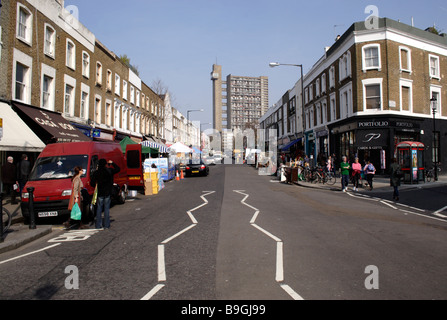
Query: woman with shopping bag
column 75, row 203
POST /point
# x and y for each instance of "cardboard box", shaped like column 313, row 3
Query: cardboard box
column 148, row 189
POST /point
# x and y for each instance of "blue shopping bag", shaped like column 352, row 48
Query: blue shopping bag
column 76, row 213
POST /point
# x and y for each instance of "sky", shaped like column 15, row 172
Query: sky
column 178, row 41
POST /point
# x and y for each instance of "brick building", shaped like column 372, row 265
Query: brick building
column 372, row 89
column 51, row 62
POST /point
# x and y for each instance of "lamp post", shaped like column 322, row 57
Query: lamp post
column 277, row 64
column 434, row 108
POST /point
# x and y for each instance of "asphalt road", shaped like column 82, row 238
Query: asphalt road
column 235, row 235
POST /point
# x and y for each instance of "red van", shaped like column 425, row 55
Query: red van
column 52, row 172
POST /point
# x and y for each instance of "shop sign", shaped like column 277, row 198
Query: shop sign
column 371, row 139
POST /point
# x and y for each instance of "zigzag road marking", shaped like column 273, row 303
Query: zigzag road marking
column 161, row 248
column 279, row 249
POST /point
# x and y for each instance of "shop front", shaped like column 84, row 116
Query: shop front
column 374, row 139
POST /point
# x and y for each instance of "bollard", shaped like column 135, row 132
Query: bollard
column 1, row 218
column 32, row 217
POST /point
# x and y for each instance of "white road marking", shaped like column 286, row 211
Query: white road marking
column 161, row 248
column 279, row 277
column 30, row 253
column 437, row 212
column 161, row 264
column 389, row 205
column 153, row 292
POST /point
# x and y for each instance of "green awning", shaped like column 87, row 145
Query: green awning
column 145, row 150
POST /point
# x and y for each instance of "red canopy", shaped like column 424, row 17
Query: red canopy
column 410, row 144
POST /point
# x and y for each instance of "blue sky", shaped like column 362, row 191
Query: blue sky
column 178, row 41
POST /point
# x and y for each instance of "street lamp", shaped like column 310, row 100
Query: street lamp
column 434, row 108
column 277, row 64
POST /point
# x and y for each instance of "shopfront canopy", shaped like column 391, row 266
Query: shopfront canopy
column 181, row 148
column 50, row 126
column 288, row 146
column 160, row 146
column 17, row 136
column 145, row 150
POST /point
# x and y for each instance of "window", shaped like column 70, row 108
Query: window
column 109, row 80
column 405, row 59
column 137, row 102
column 85, row 64
column 344, row 66
column 333, row 106
column 22, row 82
column 332, row 77
column 124, row 89
column 71, row 55
column 323, row 83
column 98, row 73
column 108, row 113
column 117, row 84
column 50, row 41
column 372, row 94
column 47, row 88
column 97, row 114
column 434, row 66
column 406, row 95
column 317, row 88
column 117, row 123
column 84, row 105
column 435, row 93
column 69, row 99
column 132, row 94
column 24, row 24
column 371, row 57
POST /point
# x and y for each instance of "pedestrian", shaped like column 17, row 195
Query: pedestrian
column 370, row 171
column 103, row 177
column 9, row 179
column 329, row 164
column 395, row 176
column 23, row 171
column 356, row 171
column 344, row 166
column 76, row 196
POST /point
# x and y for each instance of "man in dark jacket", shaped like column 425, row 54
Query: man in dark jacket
column 9, row 175
column 23, row 171
column 103, row 179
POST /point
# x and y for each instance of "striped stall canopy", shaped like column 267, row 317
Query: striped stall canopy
column 161, row 147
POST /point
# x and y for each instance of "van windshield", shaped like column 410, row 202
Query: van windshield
column 58, row 167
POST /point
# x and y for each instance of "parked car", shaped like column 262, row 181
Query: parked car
column 52, row 172
column 196, row 168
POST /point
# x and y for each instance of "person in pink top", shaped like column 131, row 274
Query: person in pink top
column 356, row 171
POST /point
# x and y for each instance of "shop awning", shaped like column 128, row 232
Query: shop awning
column 145, row 150
column 17, row 136
column 288, row 146
column 160, row 146
column 48, row 125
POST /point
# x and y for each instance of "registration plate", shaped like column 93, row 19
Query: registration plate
column 195, row 171
column 47, row 214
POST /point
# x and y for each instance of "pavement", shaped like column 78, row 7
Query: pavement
column 20, row 234
column 380, row 184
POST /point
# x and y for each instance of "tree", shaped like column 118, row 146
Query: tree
column 126, row 60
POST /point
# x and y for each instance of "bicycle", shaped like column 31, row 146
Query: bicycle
column 430, row 174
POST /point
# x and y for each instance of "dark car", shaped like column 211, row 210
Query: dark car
column 196, row 168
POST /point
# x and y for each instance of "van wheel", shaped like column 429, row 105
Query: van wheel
column 122, row 196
